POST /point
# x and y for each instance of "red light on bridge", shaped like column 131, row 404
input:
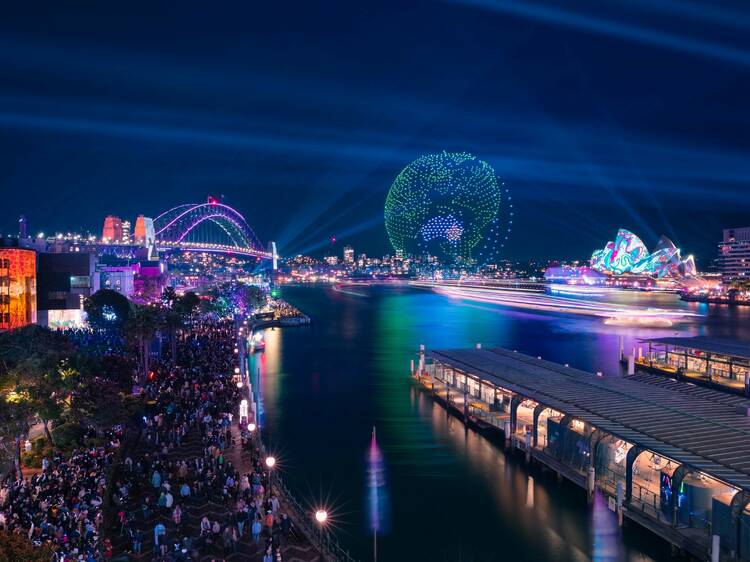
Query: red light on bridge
column 212, row 200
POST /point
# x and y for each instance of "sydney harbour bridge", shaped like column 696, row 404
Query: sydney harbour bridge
column 200, row 227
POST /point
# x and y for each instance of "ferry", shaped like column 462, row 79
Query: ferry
column 257, row 343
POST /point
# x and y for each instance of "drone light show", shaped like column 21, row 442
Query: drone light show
column 444, row 205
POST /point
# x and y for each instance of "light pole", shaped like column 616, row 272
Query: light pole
column 321, row 517
column 270, row 463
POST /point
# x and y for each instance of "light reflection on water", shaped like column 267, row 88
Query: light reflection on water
column 454, row 495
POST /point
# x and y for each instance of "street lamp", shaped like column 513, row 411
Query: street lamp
column 239, row 384
column 270, row 463
column 236, row 370
column 321, row 516
column 251, row 427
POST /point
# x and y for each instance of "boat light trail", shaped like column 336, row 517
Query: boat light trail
column 535, row 301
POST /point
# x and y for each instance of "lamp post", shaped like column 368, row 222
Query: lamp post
column 270, row 463
column 321, row 517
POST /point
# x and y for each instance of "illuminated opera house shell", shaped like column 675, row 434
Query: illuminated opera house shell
column 628, row 254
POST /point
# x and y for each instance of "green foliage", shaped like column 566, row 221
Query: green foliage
column 40, row 449
column 15, row 547
column 68, row 435
column 107, row 310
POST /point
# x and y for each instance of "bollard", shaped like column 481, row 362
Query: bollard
column 715, row 548
column 631, row 364
column 590, row 482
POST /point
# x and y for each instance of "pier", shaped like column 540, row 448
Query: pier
column 671, row 456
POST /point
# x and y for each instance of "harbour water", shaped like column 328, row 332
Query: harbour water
column 449, row 494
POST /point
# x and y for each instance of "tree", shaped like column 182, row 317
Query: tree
column 29, row 361
column 107, row 310
column 16, row 546
column 140, row 329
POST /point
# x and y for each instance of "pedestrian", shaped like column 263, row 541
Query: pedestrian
column 256, row 528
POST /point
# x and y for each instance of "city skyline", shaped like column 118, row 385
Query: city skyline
column 596, row 118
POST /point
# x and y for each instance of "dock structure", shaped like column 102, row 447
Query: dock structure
column 673, row 457
column 715, row 362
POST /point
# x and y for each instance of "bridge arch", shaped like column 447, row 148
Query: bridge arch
column 174, row 227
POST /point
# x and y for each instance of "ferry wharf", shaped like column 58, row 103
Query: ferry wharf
column 670, row 456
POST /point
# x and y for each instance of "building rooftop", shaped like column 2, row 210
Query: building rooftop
column 698, row 427
column 735, row 348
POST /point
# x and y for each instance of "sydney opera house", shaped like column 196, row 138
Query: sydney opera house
column 627, row 254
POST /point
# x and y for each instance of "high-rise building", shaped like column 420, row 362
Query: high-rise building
column 112, row 230
column 734, row 254
column 348, row 255
column 126, row 232
column 17, row 286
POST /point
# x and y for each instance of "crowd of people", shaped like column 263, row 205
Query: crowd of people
column 62, row 504
column 196, row 401
column 161, row 486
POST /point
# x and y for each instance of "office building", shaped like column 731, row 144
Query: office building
column 734, row 254
column 348, row 255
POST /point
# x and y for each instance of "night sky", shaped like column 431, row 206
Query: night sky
column 597, row 115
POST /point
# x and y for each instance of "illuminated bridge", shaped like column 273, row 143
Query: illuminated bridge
column 207, row 227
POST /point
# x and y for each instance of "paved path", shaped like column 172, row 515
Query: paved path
column 297, row 549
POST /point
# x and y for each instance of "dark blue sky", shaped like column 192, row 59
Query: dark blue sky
column 596, row 114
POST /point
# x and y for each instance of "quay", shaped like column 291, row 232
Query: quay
column 713, row 362
column 670, row 456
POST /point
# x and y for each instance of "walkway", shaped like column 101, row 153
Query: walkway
column 297, row 549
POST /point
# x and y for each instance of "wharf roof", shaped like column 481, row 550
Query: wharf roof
column 734, row 348
column 695, row 426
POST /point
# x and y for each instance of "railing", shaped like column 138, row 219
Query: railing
column 325, row 540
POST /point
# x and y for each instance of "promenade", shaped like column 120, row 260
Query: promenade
column 194, row 489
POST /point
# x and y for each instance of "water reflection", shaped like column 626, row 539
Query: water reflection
column 454, row 494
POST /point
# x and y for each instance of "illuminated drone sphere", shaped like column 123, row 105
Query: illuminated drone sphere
column 443, row 205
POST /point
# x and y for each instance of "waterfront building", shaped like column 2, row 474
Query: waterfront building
column 331, row 260
column 348, row 255
column 112, row 230
column 17, row 285
column 734, row 254
column 715, row 361
column 65, row 280
column 627, row 254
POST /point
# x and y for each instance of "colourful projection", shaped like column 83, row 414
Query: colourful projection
column 628, row 254
column 17, row 288
column 444, row 205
